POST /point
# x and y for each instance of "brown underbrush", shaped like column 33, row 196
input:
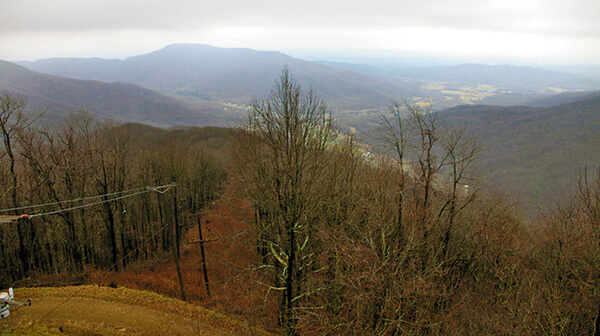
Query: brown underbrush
column 235, row 285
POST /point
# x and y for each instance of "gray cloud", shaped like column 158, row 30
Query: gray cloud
column 573, row 23
column 531, row 16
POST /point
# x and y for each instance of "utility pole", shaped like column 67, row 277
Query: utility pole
column 201, row 241
column 203, row 261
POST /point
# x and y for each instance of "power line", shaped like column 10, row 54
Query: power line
column 76, row 199
column 158, row 189
column 148, row 189
column 10, row 219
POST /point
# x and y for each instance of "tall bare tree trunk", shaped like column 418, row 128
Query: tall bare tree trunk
column 204, row 271
column 175, row 243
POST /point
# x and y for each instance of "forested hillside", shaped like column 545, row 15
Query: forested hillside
column 409, row 243
column 311, row 234
column 537, row 152
column 110, row 196
column 120, row 101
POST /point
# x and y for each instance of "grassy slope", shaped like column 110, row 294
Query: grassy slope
column 106, row 300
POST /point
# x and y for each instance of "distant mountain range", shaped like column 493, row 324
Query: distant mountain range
column 120, row 101
column 228, row 75
column 537, row 151
column 507, row 76
column 536, row 148
column 204, row 73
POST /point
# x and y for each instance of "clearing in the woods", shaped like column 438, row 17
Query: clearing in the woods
column 97, row 310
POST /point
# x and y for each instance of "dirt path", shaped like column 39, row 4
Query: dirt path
column 105, row 311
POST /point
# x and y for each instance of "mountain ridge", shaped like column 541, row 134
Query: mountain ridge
column 505, row 75
column 237, row 75
column 230, row 75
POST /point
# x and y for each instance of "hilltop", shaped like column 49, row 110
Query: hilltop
column 228, row 75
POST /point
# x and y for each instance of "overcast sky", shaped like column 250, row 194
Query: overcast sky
column 547, row 31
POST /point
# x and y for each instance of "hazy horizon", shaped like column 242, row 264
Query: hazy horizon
column 380, row 59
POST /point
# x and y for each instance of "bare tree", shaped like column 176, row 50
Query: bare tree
column 281, row 153
column 427, row 160
column 395, row 133
column 56, row 163
column 461, row 151
column 108, row 152
column 13, row 120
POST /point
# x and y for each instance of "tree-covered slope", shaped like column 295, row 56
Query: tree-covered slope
column 120, row 101
column 537, row 151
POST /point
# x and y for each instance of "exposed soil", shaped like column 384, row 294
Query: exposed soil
column 93, row 310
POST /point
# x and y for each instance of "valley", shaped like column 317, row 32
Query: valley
column 212, row 77
column 300, row 168
column 318, row 197
column 196, row 85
